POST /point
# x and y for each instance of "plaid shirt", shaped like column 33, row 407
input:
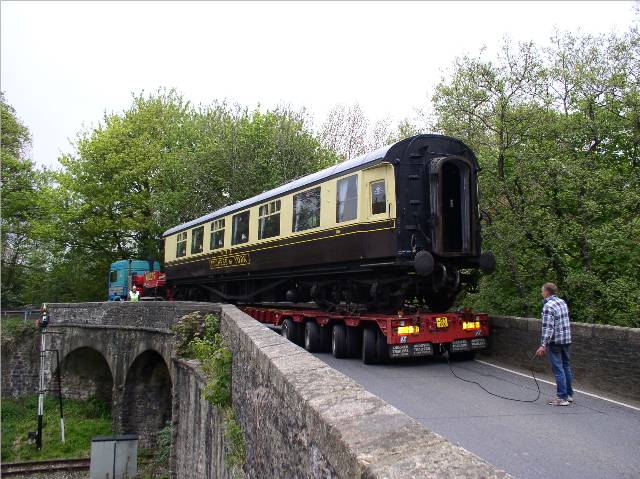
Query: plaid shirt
column 555, row 322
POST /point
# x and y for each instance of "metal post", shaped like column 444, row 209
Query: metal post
column 60, row 397
column 41, row 389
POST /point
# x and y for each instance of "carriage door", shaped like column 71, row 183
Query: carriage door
column 450, row 203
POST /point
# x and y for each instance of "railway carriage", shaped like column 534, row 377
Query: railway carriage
column 399, row 223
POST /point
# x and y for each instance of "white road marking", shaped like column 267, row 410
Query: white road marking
column 553, row 384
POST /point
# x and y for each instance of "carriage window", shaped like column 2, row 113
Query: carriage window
column 217, row 234
column 113, row 276
column 378, row 198
column 197, row 238
column 306, row 210
column 240, row 228
column 181, row 244
column 347, row 199
column 269, row 222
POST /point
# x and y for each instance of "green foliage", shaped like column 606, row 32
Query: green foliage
column 161, row 162
column 216, row 364
column 557, row 134
column 20, row 206
column 198, row 336
column 164, row 446
column 194, row 327
column 155, row 465
column 16, row 330
column 235, row 440
column 83, row 420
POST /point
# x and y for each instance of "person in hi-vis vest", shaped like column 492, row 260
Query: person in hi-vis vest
column 133, row 294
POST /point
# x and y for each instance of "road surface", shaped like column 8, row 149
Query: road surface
column 593, row 438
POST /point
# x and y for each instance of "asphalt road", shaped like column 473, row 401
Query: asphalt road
column 593, row 438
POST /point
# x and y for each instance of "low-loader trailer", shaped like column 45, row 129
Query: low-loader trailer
column 378, row 337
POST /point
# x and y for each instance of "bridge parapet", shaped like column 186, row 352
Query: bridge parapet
column 603, row 358
column 301, row 418
column 142, row 315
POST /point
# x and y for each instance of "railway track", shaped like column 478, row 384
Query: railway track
column 15, row 469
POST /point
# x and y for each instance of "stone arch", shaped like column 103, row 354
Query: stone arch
column 147, row 397
column 85, row 374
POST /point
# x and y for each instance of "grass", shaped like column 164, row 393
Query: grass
column 83, row 420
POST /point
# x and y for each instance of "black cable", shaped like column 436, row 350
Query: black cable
column 489, row 392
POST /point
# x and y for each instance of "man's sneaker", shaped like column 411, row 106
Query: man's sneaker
column 570, row 398
column 558, row 402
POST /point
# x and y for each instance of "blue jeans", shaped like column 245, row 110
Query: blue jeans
column 559, row 357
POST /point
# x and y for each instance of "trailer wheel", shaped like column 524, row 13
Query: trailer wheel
column 289, row 330
column 354, row 342
column 369, row 336
column 339, row 341
column 312, row 338
column 382, row 349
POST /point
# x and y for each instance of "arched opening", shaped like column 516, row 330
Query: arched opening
column 147, row 398
column 86, row 374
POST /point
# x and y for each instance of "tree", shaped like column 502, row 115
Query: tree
column 19, row 204
column 556, row 132
column 160, row 163
column 345, row 131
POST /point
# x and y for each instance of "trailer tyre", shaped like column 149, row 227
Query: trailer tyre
column 354, row 342
column 382, row 349
column 312, row 338
column 289, row 330
column 369, row 346
column 339, row 341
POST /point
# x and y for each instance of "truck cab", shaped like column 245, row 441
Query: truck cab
column 125, row 273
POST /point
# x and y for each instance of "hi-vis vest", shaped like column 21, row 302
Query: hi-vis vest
column 133, row 296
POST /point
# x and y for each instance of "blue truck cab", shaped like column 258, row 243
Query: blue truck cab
column 121, row 276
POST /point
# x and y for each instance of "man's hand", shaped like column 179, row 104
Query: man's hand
column 541, row 351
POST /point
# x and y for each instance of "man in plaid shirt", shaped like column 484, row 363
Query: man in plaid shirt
column 556, row 339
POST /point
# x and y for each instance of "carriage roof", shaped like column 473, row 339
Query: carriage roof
column 354, row 164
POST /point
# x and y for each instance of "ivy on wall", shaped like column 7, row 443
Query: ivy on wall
column 198, row 337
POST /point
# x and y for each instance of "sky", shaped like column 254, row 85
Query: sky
column 64, row 64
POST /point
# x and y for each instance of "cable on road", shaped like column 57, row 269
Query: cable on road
column 446, row 354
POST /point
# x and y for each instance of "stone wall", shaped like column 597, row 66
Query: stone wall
column 300, row 418
column 143, row 315
column 604, row 358
column 132, row 349
column 198, row 445
column 20, row 362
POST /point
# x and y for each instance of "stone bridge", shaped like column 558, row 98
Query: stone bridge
column 299, row 416
column 120, row 353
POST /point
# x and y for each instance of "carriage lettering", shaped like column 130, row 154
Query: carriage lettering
column 240, row 259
